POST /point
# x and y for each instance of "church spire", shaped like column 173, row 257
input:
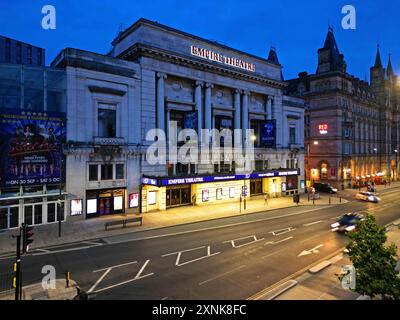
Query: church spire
column 390, row 72
column 378, row 60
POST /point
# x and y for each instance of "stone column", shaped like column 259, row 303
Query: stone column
column 237, row 124
column 269, row 108
column 160, row 101
column 199, row 107
column 245, row 115
column 208, row 107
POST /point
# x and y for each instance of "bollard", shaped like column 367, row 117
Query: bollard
column 340, row 199
column 329, row 199
column 313, row 201
column 67, row 278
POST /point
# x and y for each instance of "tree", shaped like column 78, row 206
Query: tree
column 373, row 261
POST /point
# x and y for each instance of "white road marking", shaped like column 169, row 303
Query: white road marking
column 42, row 250
column 282, row 231
column 280, row 241
column 117, row 266
column 92, row 243
column 212, row 228
column 312, row 223
column 221, row 275
column 61, row 251
column 99, row 280
column 311, row 251
column 335, row 218
column 137, row 277
column 245, row 244
column 179, row 254
column 165, row 298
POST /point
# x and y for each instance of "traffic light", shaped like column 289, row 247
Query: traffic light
column 27, row 234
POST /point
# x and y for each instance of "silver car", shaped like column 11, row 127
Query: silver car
column 367, row 196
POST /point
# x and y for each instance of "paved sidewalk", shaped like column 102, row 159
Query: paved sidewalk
column 325, row 284
column 36, row 292
column 47, row 235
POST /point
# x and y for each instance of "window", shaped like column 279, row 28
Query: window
column 33, row 89
column 107, row 123
column 19, row 53
column 29, row 55
column 178, row 117
column 347, row 148
column 106, row 172
column 259, row 165
column 292, row 135
column 222, row 123
column 93, row 172
column 119, row 171
column 8, row 51
column 257, row 126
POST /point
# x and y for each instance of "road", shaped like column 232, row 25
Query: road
column 232, row 258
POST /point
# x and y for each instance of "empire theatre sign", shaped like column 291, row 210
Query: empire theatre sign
column 221, row 58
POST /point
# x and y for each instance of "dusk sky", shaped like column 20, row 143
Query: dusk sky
column 296, row 28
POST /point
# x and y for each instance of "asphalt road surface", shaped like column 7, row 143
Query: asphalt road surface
column 231, row 258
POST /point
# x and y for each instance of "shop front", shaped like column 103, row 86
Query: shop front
column 105, row 202
column 32, row 210
column 160, row 194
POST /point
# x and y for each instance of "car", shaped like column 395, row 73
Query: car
column 325, row 187
column 348, row 222
column 367, row 196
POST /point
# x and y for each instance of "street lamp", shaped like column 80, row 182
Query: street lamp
column 397, row 165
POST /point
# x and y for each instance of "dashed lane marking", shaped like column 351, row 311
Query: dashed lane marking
column 277, row 242
column 221, row 275
column 312, row 223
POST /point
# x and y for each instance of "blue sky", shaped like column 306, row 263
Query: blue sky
column 296, row 28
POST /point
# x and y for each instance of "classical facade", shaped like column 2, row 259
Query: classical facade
column 155, row 76
column 351, row 126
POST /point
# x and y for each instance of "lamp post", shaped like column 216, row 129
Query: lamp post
column 396, row 173
column 61, row 172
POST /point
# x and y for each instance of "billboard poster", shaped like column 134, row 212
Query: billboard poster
column 31, row 148
column 190, row 120
column 269, row 134
column 205, row 195
column 133, row 200
column 76, row 207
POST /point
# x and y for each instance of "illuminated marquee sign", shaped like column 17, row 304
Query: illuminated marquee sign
column 210, row 179
column 323, row 128
column 221, row 58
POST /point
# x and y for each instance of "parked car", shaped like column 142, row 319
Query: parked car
column 367, row 196
column 325, row 187
column 348, row 222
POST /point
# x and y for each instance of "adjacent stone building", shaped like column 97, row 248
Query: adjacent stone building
column 351, row 126
column 17, row 52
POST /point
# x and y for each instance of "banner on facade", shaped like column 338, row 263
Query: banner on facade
column 269, row 134
column 190, row 120
column 31, row 148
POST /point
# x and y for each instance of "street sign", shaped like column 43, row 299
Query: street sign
column 244, row 191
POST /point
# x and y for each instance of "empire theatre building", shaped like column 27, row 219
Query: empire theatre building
column 155, row 76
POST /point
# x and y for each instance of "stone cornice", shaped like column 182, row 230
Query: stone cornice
column 140, row 49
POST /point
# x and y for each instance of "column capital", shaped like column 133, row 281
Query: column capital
column 270, row 98
column 162, row 75
column 246, row 92
column 209, row 85
column 199, row 83
column 237, row 91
